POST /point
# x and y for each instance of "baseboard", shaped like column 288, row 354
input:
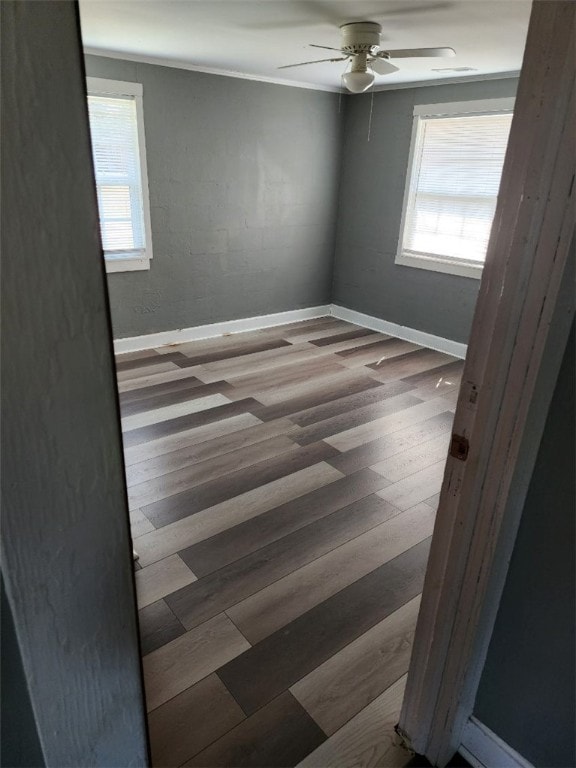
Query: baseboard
column 438, row 343
column 482, row 748
column 213, row 330
column 180, row 335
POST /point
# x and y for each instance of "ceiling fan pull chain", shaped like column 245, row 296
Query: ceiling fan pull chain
column 371, row 110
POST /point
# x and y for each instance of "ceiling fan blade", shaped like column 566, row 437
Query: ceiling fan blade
column 413, row 53
column 425, row 7
column 304, row 63
column 323, row 13
column 325, row 47
column 382, row 66
column 316, row 13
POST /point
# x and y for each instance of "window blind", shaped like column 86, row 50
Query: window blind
column 458, row 165
column 114, row 132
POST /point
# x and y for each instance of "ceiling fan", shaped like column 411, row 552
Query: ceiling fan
column 360, row 43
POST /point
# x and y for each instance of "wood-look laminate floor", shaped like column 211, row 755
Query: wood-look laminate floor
column 282, row 486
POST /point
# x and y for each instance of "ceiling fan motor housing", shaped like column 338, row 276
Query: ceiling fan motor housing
column 360, row 37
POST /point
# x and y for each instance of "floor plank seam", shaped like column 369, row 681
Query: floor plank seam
column 257, row 552
column 303, row 529
column 352, row 716
column 239, row 630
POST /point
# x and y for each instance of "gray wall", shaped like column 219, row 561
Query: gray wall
column 526, row 693
column 372, row 190
column 20, row 745
column 243, row 181
column 266, row 198
column 66, row 555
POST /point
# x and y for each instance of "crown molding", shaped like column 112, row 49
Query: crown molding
column 446, row 81
column 177, row 64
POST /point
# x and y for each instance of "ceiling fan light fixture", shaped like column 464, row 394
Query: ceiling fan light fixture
column 360, row 43
column 358, row 82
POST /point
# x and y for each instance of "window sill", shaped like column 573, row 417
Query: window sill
column 438, row 264
column 126, row 264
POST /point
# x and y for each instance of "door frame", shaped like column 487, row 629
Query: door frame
column 521, row 324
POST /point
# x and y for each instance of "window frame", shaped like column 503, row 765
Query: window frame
column 434, row 263
column 98, row 86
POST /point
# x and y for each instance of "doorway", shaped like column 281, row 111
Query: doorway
column 257, row 375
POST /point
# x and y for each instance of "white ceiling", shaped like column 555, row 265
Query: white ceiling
column 256, row 37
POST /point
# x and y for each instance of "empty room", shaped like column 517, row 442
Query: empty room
column 293, row 260
column 325, row 250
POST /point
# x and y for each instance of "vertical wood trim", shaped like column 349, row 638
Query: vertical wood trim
column 515, row 323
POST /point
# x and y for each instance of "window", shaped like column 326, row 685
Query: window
column 454, row 172
column 117, row 131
